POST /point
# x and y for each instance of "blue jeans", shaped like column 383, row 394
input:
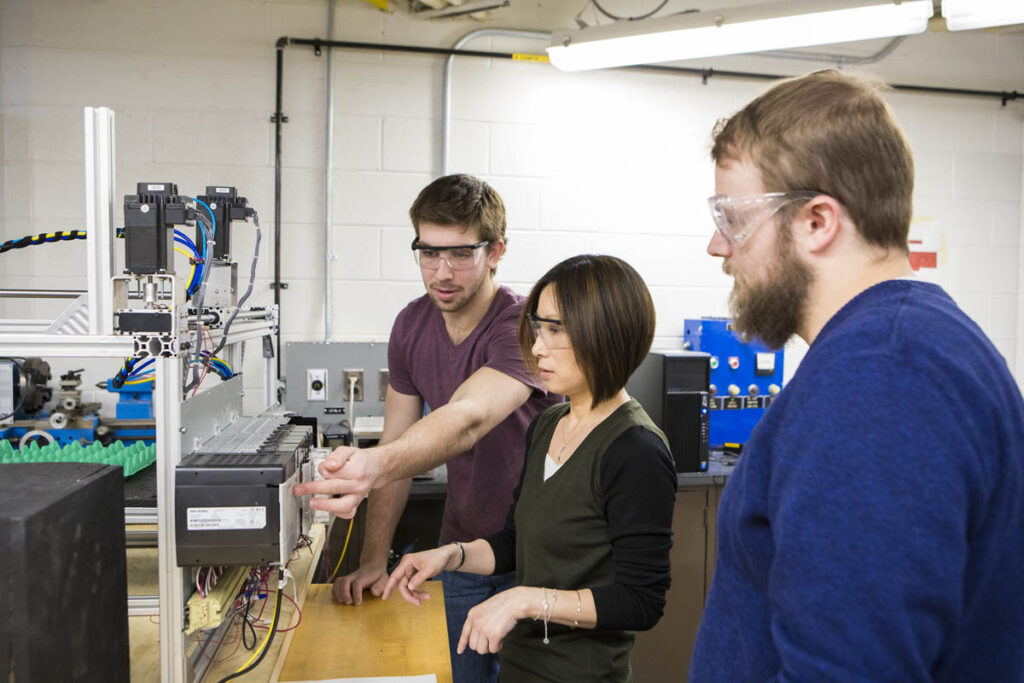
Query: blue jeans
column 461, row 593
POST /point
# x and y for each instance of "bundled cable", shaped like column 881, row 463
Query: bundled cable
column 194, row 257
column 248, row 291
column 201, row 289
column 260, row 653
column 132, row 373
column 42, row 238
column 217, row 365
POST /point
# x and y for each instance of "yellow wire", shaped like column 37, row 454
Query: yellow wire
column 266, row 640
column 190, row 257
column 141, row 381
column 343, row 549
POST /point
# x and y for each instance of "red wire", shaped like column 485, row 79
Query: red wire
column 209, row 357
column 238, row 641
column 297, row 609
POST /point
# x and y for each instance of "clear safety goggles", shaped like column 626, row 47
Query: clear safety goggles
column 737, row 217
column 458, row 257
column 550, row 332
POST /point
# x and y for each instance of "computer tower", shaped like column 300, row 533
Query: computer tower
column 672, row 386
column 64, row 591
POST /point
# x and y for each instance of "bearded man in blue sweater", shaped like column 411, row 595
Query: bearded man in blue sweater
column 873, row 529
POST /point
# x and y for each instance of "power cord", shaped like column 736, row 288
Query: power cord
column 42, row 238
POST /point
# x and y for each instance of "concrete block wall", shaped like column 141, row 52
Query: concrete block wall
column 612, row 162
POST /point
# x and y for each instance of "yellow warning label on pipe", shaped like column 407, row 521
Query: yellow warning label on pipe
column 522, row 57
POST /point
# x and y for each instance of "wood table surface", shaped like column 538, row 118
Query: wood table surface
column 378, row 638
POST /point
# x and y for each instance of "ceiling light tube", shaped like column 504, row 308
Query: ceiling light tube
column 739, row 30
column 963, row 15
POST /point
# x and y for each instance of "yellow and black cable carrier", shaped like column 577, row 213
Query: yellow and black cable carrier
column 42, row 238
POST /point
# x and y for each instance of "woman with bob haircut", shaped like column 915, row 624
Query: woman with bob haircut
column 590, row 528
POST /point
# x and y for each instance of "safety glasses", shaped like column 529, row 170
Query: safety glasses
column 737, row 217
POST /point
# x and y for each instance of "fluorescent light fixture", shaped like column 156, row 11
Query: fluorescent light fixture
column 771, row 26
column 963, row 15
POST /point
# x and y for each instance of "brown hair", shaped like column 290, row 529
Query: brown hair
column 461, row 200
column 607, row 312
column 829, row 132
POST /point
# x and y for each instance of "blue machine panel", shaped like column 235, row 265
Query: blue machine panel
column 745, row 377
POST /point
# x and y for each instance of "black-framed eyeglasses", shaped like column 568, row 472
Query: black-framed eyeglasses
column 458, row 257
column 551, row 332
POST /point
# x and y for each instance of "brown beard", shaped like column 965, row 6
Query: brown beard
column 772, row 309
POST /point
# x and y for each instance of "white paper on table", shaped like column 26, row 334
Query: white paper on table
column 425, row 678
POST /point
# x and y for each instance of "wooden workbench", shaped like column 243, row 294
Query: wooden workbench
column 378, row 638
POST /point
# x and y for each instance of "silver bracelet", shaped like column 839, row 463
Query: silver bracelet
column 546, row 609
column 462, row 556
column 579, row 611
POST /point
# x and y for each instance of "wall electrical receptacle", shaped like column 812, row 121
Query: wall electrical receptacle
column 382, row 384
column 316, row 384
column 358, row 389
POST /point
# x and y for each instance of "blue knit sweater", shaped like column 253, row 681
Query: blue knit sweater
column 874, row 527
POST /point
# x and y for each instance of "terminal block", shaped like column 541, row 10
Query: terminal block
column 208, row 612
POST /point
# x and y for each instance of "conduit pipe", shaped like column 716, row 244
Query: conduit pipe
column 832, row 58
column 446, row 82
column 329, row 255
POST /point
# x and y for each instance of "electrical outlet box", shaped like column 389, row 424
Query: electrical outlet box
column 301, row 356
column 316, row 384
column 382, row 384
column 357, row 390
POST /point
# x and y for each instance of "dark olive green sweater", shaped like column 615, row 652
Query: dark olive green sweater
column 604, row 522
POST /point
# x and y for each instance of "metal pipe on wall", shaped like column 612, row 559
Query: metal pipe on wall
column 446, row 83
column 837, row 59
column 328, row 178
column 278, row 118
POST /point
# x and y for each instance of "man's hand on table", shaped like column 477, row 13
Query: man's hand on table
column 348, row 589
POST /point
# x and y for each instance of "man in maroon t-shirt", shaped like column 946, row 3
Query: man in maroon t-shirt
column 456, row 350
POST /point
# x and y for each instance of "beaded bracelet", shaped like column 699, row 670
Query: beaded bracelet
column 579, row 611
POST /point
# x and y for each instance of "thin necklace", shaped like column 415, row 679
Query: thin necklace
column 579, row 432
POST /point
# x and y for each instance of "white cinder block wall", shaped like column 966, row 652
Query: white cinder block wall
column 612, row 162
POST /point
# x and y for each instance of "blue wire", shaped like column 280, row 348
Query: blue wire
column 182, row 238
column 191, row 246
column 202, row 228
column 140, row 368
column 213, row 221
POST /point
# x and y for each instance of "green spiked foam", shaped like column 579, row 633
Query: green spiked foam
column 131, row 458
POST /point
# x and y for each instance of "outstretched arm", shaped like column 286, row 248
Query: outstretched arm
column 479, row 404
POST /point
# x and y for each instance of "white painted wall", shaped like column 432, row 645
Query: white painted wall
column 612, row 162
